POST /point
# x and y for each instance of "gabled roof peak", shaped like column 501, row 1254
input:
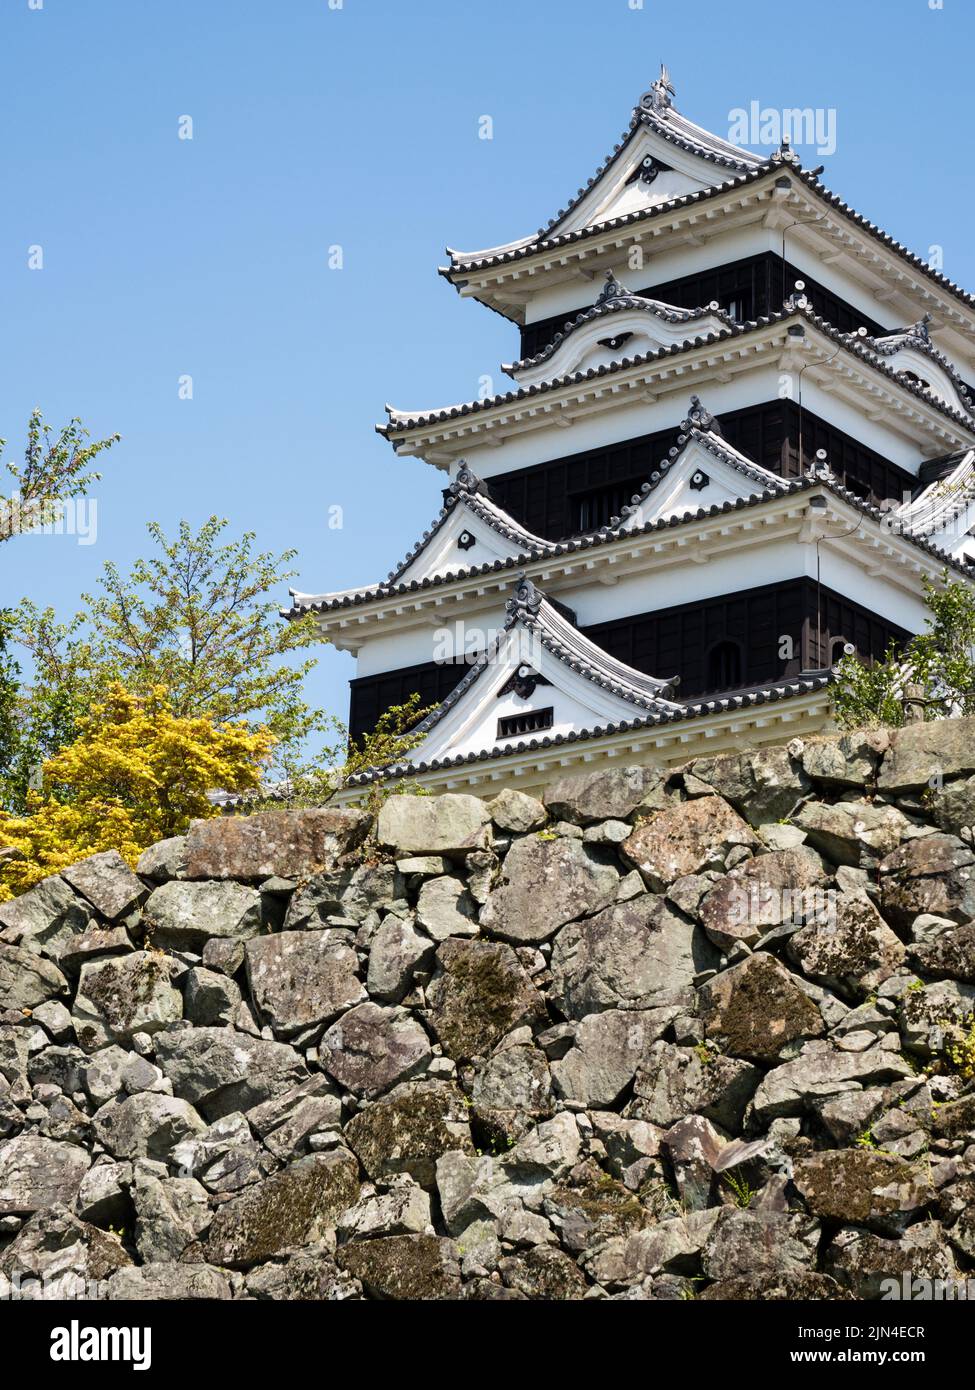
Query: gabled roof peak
column 700, row 416
column 660, row 94
column 613, row 289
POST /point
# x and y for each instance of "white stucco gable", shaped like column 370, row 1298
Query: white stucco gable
column 943, row 514
column 619, row 325
column 704, row 471
column 540, row 676
column 470, row 531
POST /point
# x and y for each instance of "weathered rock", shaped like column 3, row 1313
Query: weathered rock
column 512, row 1092
column 114, row 1071
column 290, row 844
column 693, row 1146
column 782, row 1286
column 404, row 1267
column 613, row 793
column 27, row 979
column 845, row 760
column 632, row 1147
column 164, row 1283
column 637, row 954
column 182, row 916
column 934, row 874
column 124, row 995
column 955, row 1119
column 608, row 1049
column 849, row 948
column 171, row 1214
column 396, row 950
column 672, row 1246
column 108, row 883
column 590, row 1208
column 56, row 1256
column 862, row 1188
column 868, row 1264
column 284, row 1122
column 219, row 1070
column 821, row 1073
column 307, row 1276
column 932, row 1016
column 164, row 860
column 850, row 1114
column 689, row 838
column 515, row 811
column 544, row 884
column 923, row 754
column 452, row 824
column 678, row 1081
column 764, row 784
column 544, row 1274
column 302, row 978
column 44, row 918
column 36, row 1173
column 95, row 943
column 950, row 955
column 482, row 994
column 371, row 1048
column 444, row 908
column 146, row 1125
column 848, row 829
column 103, row 1198
column 210, row 998
column 752, row 1242
column 352, row 892
column 764, row 892
column 407, row 1130
column 402, row 1211
column 756, row 1008
column 224, row 1156
column 298, row 1206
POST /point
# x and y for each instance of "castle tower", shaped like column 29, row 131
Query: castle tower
column 739, row 438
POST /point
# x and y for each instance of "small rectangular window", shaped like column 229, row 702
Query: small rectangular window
column 530, row 722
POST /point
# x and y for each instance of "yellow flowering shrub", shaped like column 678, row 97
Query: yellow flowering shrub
column 135, row 774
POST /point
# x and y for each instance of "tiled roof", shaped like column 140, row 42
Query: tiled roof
column 773, row 693
column 774, row 163
column 401, row 422
column 614, row 299
column 916, row 336
column 774, row 489
column 529, row 606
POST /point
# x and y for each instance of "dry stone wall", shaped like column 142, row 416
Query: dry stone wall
column 662, row 1035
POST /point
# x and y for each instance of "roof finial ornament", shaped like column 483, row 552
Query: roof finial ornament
column 785, row 154
column 526, row 597
column 699, row 416
column 660, row 95
column 920, row 329
column 613, row 289
column 466, row 480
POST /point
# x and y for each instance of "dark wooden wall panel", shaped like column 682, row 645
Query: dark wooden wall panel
column 555, row 499
column 678, row 641
column 748, row 289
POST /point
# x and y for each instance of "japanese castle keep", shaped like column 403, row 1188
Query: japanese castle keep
column 739, row 437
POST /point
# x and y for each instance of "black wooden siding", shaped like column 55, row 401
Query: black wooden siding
column 680, row 641
column 577, row 492
column 747, row 289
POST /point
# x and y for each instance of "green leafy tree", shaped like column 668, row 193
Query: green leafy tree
column 934, row 671
column 9, row 690
column 198, row 616
column 57, row 466
column 392, row 739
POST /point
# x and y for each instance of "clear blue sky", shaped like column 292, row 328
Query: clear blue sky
column 358, row 126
